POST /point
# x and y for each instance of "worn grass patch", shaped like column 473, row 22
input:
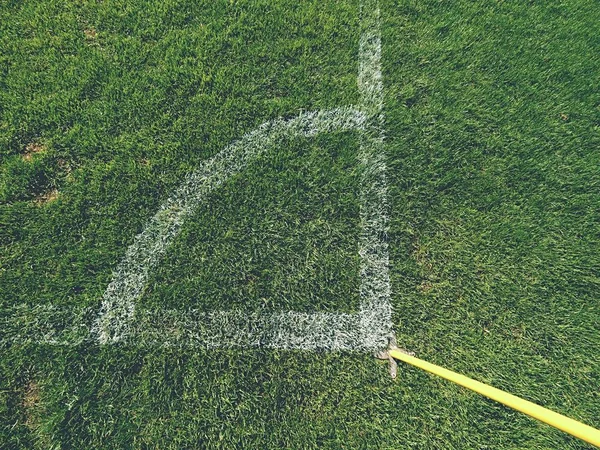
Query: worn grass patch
column 31, row 402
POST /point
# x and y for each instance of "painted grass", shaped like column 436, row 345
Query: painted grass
column 492, row 141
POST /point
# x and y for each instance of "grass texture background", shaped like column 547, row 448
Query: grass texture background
column 493, row 147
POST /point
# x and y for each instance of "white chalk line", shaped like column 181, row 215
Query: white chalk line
column 375, row 290
column 70, row 326
column 117, row 310
column 46, row 324
column 118, row 320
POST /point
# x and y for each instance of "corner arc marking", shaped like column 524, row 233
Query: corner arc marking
column 130, row 277
column 366, row 330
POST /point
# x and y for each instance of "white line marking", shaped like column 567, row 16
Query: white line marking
column 375, row 291
column 130, row 277
column 118, row 319
column 46, row 324
column 370, row 82
column 70, row 326
column 219, row 329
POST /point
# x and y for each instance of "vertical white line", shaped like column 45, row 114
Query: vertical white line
column 376, row 311
column 370, row 82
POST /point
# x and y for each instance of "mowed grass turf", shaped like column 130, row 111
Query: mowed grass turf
column 492, row 140
column 283, row 235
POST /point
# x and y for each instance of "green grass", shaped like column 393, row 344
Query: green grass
column 493, row 146
column 283, row 235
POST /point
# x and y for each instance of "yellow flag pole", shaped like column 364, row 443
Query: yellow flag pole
column 573, row 427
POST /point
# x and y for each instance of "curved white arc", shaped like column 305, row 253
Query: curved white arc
column 131, row 275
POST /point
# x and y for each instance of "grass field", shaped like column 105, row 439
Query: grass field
column 492, row 142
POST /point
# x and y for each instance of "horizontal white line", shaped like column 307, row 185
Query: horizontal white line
column 70, row 326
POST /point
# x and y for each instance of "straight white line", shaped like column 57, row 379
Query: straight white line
column 219, row 329
column 46, row 324
column 118, row 321
column 70, row 326
column 370, row 81
column 375, row 291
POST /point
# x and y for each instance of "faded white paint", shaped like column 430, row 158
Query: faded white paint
column 119, row 321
